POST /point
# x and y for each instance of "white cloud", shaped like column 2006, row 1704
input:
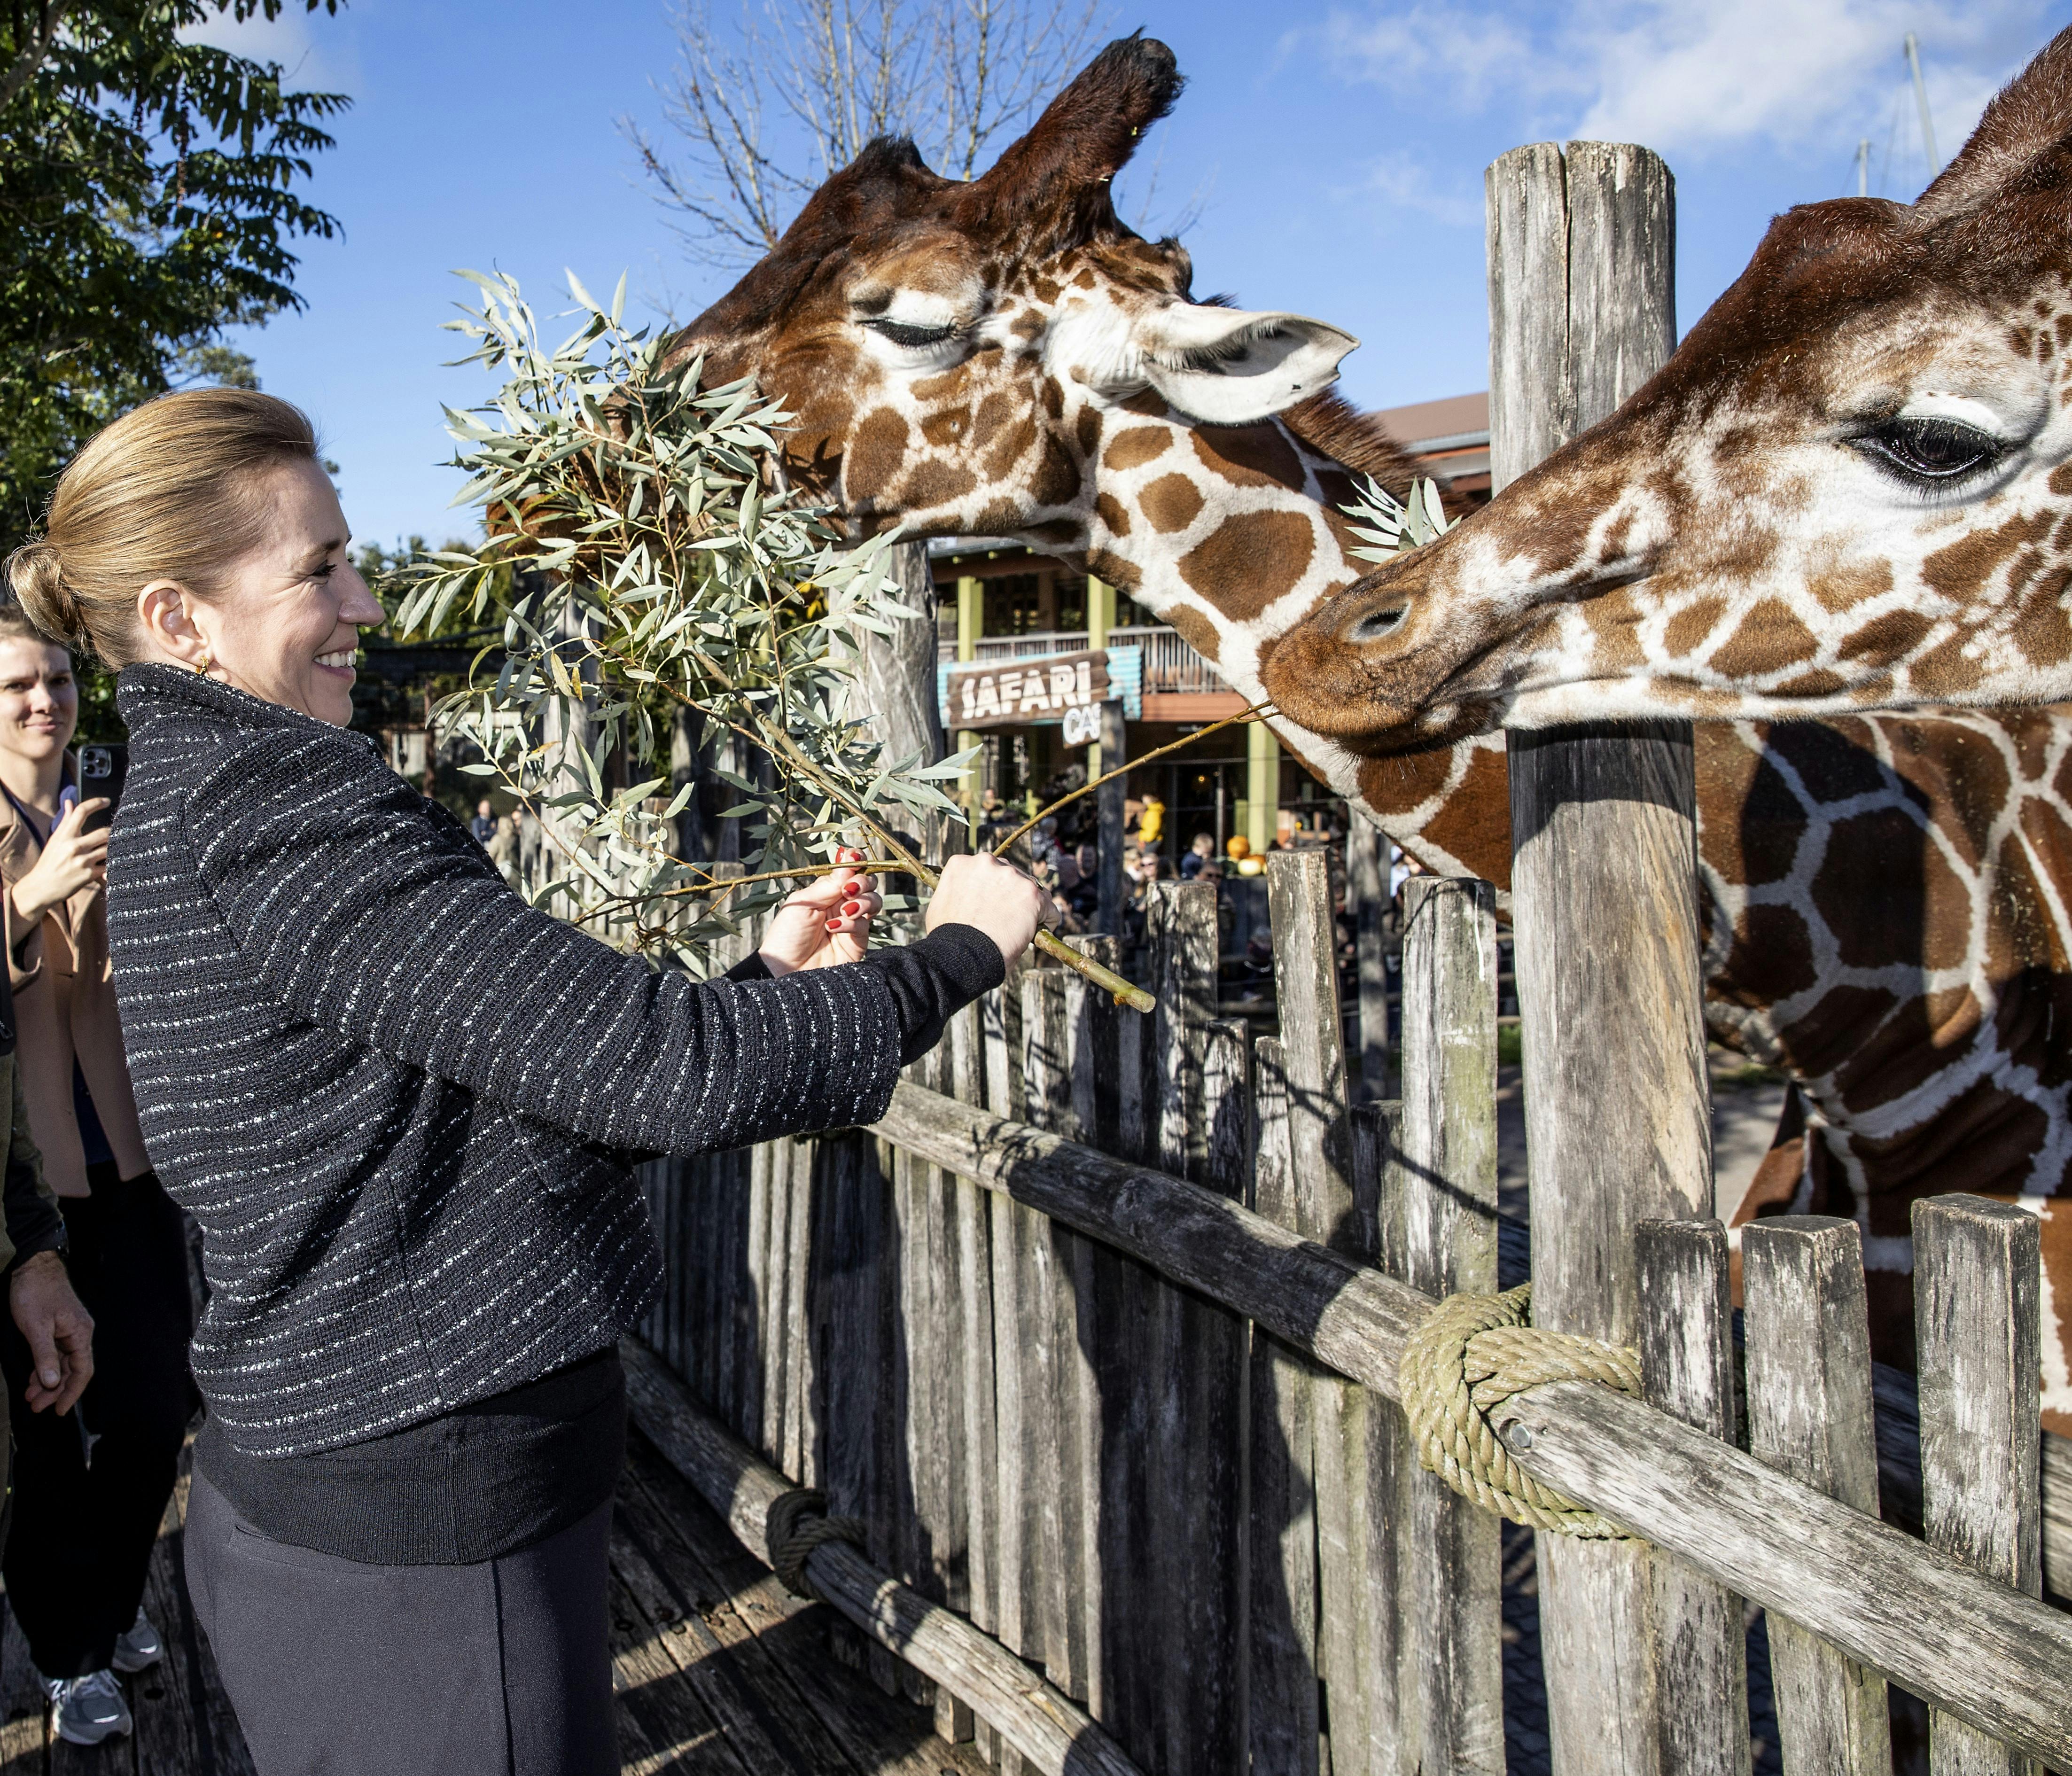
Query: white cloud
column 1408, row 184
column 307, row 63
column 1695, row 76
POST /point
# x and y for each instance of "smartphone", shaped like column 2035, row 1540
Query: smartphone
column 101, row 770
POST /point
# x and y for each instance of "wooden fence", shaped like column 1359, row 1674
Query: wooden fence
column 1098, row 1333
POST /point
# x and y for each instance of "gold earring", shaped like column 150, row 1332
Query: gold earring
column 202, row 670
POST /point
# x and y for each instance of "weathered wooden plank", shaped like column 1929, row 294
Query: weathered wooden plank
column 662, row 1725
column 1042, row 1725
column 1283, row 1633
column 1446, row 1203
column 1978, row 1328
column 1581, row 312
column 1810, row 1415
column 1687, row 1361
column 1846, row 1578
column 974, row 1258
column 1367, row 849
column 801, row 1432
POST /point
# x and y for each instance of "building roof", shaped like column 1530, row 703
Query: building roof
column 1439, row 424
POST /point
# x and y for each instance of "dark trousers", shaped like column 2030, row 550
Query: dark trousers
column 335, row 1668
column 90, row 1488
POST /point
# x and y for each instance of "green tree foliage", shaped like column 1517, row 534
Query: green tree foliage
column 147, row 197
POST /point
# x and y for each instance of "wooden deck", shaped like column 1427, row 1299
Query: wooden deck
column 719, row 1670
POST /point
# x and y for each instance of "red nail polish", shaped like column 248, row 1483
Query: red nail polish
column 834, row 924
column 850, row 909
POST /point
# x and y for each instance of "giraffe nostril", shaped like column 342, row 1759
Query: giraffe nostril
column 1378, row 624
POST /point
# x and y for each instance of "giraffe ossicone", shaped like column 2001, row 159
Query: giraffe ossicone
column 1849, row 488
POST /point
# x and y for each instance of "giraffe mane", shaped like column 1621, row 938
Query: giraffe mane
column 1330, row 423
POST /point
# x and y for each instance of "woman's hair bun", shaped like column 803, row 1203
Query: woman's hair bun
column 37, row 577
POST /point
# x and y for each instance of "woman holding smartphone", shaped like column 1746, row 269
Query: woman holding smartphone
column 84, row 1530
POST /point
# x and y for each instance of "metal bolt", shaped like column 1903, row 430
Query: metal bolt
column 1516, row 1435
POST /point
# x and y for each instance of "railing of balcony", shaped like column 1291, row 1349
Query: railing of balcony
column 1170, row 666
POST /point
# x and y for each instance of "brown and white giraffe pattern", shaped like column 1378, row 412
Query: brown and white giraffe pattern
column 1051, row 409
column 1850, row 488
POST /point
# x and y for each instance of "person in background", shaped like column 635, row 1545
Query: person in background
column 1151, row 824
column 84, row 1528
column 483, row 825
column 1200, row 852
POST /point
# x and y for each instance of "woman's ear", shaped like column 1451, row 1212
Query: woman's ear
column 165, row 608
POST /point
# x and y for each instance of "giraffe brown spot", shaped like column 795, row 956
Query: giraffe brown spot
column 2064, row 330
column 1944, row 671
column 998, row 518
column 1249, row 560
column 1009, row 445
column 1819, row 682
column 1047, row 290
column 1689, row 627
column 1169, row 504
column 1136, row 447
column 1195, row 629
column 1837, row 1027
column 1771, row 958
column 1615, row 620
column 2060, row 481
column 1960, row 569
column 994, row 412
column 1750, row 824
column 1768, row 639
column 1472, row 825
column 935, row 482
column 1147, row 404
column 943, row 429
column 1249, row 456
column 1402, row 782
column 1112, row 513
column 1889, row 637
column 934, row 389
column 1027, row 325
column 2043, row 631
column 1053, row 398
column 1083, row 279
column 1086, row 430
column 1850, row 588
column 1115, row 569
column 1057, row 482
column 875, row 455
column 1063, row 531
column 1875, row 908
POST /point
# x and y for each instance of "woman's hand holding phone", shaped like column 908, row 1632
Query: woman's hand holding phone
column 74, row 857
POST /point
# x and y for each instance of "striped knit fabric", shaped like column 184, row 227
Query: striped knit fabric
column 397, row 1098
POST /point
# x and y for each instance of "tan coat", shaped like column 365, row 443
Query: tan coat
column 64, row 1005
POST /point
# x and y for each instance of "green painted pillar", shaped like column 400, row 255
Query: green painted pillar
column 1100, row 619
column 1262, row 786
column 971, row 625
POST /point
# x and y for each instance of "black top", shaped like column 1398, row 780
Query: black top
column 503, row 1473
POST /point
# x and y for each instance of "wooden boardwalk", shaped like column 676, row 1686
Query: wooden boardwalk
column 720, row 1670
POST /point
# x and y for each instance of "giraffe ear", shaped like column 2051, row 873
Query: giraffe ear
column 1227, row 368
column 2029, row 118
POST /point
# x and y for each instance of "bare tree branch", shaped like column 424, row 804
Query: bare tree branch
column 766, row 110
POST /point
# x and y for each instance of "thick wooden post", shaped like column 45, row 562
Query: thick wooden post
column 1975, row 1313
column 1108, row 800
column 1603, row 893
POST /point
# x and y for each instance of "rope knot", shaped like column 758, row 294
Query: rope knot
column 1469, row 1355
column 795, row 1524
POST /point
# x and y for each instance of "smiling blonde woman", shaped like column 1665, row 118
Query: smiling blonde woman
column 401, row 1102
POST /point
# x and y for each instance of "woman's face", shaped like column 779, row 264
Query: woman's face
column 39, row 699
column 285, row 624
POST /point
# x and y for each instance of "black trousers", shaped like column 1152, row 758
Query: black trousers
column 90, row 1488
column 335, row 1668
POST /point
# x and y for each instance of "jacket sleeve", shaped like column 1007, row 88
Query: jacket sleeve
column 34, row 1224
column 354, row 908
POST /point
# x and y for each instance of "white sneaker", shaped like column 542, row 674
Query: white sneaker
column 139, row 1649
column 86, row 1710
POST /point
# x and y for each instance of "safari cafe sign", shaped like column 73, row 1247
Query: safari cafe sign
column 1042, row 688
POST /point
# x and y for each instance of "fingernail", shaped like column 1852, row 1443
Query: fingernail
column 50, row 1378
column 834, row 924
column 851, row 908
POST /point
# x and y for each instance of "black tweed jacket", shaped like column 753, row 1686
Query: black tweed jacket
column 395, row 1096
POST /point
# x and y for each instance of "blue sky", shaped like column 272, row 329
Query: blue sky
column 1334, row 151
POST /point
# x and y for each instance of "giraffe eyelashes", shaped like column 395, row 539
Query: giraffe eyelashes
column 914, row 336
column 1931, row 453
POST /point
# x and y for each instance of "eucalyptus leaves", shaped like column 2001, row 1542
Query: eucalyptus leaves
column 645, row 560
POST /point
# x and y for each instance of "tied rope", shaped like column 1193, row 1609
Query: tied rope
column 796, row 1523
column 1470, row 1355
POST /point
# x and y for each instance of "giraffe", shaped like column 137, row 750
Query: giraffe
column 1010, row 360
column 1849, row 488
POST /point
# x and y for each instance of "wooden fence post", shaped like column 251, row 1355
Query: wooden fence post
column 1687, row 1367
column 1604, row 893
column 1810, row 1416
column 1449, row 1234
column 1368, row 859
column 1976, row 1287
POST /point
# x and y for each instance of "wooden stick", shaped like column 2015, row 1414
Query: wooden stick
column 1048, row 1728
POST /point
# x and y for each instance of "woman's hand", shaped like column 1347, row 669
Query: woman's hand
column 71, row 860
column 824, row 925
column 994, row 896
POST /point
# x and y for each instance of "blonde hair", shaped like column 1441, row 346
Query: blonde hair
column 164, row 493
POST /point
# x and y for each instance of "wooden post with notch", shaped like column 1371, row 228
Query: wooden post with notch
column 1604, row 893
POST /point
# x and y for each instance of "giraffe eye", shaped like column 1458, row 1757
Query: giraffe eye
column 1930, row 452
column 907, row 334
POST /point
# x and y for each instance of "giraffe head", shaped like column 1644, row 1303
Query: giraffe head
column 954, row 351
column 1851, row 487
